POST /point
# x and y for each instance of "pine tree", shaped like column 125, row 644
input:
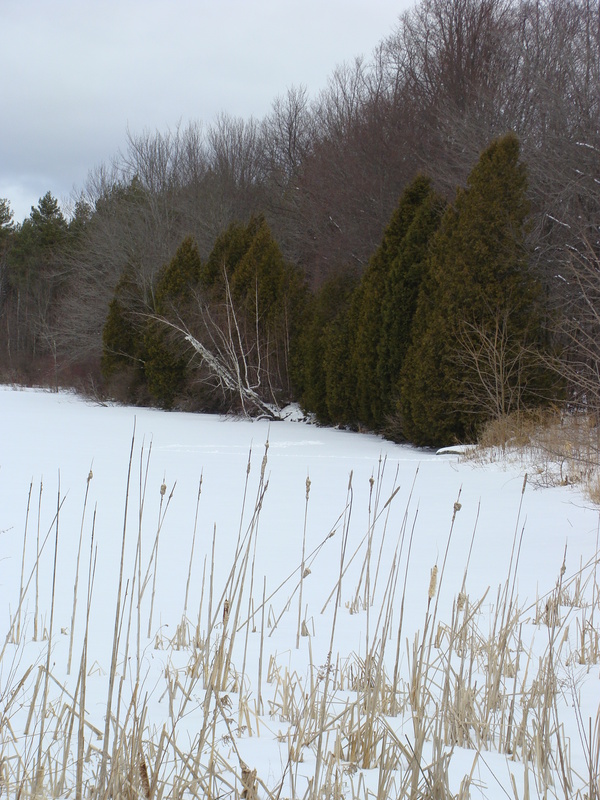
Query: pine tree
column 479, row 294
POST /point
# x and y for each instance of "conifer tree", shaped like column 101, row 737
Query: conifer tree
column 166, row 364
column 340, row 364
column 421, row 209
column 479, row 289
column 251, row 304
column 228, row 249
column 310, row 378
column 123, row 355
column 374, row 289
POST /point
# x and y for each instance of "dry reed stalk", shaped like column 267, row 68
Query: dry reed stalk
column 360, row 544
column 10, row 636
column 37, row 566
column 154, row 554
column 302, row 562
column 21, row 585
column 343, row 545
column 83, row 669
column 387, row 508
column 76, row 581
column 420, row 682
column 137, row 565
column 113, row 662
column 40, row 770
column 191, row 561
column 262, row 642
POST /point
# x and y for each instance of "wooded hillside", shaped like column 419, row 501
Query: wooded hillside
column 414, row 251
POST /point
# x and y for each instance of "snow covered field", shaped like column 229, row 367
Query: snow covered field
column 401, row 624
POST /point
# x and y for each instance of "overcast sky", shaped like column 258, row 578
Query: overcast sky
column 77, row 74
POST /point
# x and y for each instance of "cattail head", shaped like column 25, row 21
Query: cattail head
column 307, row 487
column 90, row 476
column 225, row 611
column 433, row 583
column 163, row 489
column 457, row 507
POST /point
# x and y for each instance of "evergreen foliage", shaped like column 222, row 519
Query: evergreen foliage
column 123, row 349
column 364, row 341
column 388, row 298
column 256, row 299
column 340, row 364
column 228, row 250
column 166, row 364
column 422, row 210
column 477, row 324
column 322, row 319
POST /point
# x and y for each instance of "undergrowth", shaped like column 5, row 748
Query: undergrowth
column 557, row 448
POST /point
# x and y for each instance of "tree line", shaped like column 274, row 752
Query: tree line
column 415, row 250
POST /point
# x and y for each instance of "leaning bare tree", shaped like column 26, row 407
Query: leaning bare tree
column 229, row 359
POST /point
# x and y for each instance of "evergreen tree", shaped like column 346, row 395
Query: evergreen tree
column 479, row 291
column 339, row 362
column 7, row 230
column 422, row 208
column 166, row 365
column 369, row 348
column 228, row 250
column 310, row 378
column 123, row 351
column 252, row 303
column 37, row 276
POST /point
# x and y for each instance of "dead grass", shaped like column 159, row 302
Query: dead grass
column 556, row 448
column 393, row 712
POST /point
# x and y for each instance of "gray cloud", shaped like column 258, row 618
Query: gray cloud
column 79, row 73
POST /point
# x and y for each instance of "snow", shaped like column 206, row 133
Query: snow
column 485, row 522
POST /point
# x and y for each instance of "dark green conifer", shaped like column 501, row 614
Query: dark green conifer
column 166, row 364
column 123, row 341
column 422, row 210
column 331, row 301
column 389, row 288
column 479, row 286
column 340, row 363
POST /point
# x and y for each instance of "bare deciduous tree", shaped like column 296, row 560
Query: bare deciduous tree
column 230, row 360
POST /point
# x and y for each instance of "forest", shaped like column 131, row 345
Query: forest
column 414, row 252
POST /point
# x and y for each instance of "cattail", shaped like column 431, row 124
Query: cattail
column 307, row 487
column 163, row 489
column 225, row 611
column 248, row 782
column 462, row 599
column 264, row 461
column 90, row 476
column 457, row 507
column 144, row 777
column 433, row 583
